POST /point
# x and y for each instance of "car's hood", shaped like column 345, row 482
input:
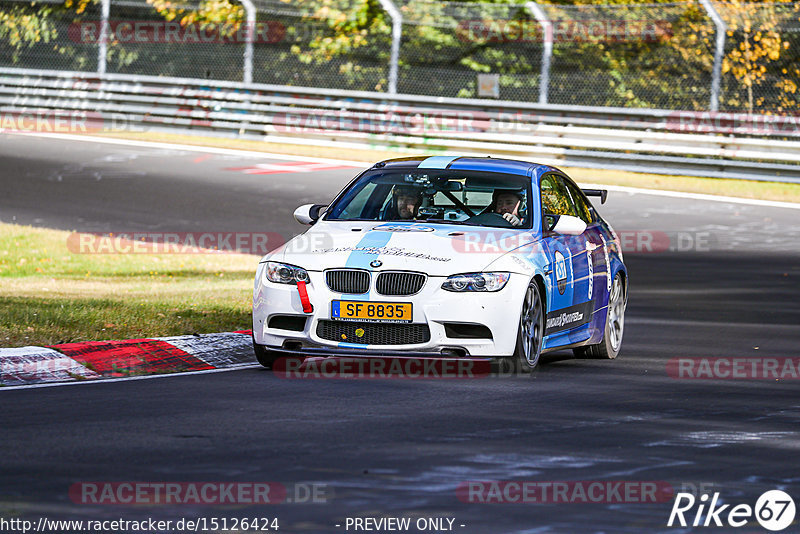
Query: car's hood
column 436, row 249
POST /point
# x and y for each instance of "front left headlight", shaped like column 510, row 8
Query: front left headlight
column 283, row 273
column 476, row 282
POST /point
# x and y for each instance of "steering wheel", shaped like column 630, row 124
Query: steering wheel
column 490, row 219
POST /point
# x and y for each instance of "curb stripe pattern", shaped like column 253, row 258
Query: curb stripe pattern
column 216, row 350
column 134, row 356
column 30, row 365
column 93, row 360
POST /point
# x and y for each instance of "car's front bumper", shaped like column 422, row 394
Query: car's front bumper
column 343, row 352
column 432, row 306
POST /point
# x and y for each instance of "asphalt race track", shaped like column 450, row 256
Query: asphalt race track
column 400, row 448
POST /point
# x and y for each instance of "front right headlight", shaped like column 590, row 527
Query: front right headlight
column 283, row 273
column 487, row 282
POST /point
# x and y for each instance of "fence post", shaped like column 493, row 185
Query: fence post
column 397, row 35
column 102, row 51
column 250, row 11
column 721, row 29
column 547, row 49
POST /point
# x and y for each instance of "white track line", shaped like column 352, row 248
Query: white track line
column 195, row 148
column 251, row 153
column 127, row 379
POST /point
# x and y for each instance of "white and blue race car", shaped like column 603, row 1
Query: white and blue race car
column 456, row 257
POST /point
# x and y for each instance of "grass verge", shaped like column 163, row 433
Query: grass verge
column 711, row 186
column 50, row 295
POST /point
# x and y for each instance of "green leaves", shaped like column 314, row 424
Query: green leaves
column 25, row 25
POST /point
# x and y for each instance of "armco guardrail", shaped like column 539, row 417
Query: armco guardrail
column 659, row 141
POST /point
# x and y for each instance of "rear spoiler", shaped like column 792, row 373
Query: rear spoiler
column 602, row 193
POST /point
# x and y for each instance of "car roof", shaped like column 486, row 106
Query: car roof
column 468, row 163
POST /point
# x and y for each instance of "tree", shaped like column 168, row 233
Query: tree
column 24, row 25
column 208, row 12
column 758, row 44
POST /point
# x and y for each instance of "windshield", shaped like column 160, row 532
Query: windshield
column 437, row 196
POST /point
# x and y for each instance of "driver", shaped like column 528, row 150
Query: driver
column 407, row 201
column 506, row 203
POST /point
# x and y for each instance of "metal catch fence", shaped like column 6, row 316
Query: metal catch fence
column 689, row 55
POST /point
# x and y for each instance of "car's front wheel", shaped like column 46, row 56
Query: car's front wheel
column 265, row 357
column 609, row 346
column 531, row 330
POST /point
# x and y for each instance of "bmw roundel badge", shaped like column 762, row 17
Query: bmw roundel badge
column 375, row 263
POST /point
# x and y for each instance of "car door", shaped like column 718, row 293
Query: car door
column 596, row 248
column 570, row 302
column 599, row 282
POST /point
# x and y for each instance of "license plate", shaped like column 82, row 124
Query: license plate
column 378, row 312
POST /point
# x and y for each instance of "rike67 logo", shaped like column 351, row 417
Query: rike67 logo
column 774, row 510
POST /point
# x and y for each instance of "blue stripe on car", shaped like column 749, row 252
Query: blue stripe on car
column 359, row 259
column 352, row 345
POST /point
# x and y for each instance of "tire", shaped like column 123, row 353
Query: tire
column 609, row 346
column 264, row 356
column 530, row 332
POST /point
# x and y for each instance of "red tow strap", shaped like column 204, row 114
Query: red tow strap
column 307, row 307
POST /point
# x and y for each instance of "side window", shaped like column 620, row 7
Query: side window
column 555, row 198
column 579, row 202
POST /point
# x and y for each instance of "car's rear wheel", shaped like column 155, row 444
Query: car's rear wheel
column 609, row 347
column 531, row 330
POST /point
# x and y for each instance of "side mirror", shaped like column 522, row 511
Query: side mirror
column 602, row 193
column 308, row 213
column 569, row 225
